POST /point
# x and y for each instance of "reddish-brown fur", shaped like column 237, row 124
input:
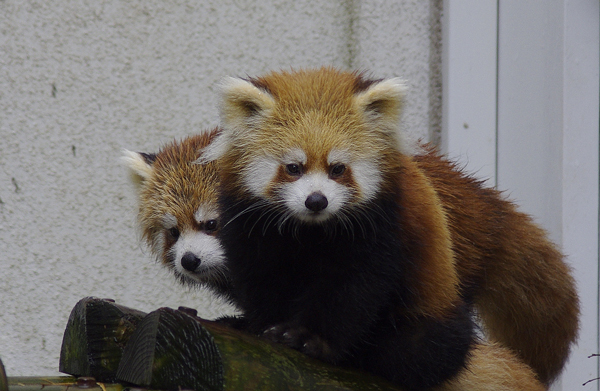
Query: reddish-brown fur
column 521, row 286
column 174, row 187
column 493, row 367
column 466, row 240
column 426, row 231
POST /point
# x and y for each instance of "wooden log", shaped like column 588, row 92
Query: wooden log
column 3, row 379
column 95, row 337
column 59, row 383
column 171, row 349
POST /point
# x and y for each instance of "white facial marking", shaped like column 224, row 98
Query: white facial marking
column 296, row 193
column 368, row 177
column 259, row 173
column 205, row 247
column 366, row 173
column 157, row 242
column 205, row 213
column 339, row 156
column 169, row 221
column 294, row 156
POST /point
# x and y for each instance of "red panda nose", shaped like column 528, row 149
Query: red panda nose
column 316, row 202
column 190, row 262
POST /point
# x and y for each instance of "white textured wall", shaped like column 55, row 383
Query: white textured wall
column 80, row 80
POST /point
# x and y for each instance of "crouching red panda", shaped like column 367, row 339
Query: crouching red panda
column 171, row 188
column 343, row 244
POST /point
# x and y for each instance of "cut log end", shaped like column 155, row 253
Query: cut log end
column 169, row 350
column 95, row 337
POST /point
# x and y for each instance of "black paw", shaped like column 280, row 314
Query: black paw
column 301, row 339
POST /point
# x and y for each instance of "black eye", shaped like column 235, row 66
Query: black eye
column 337, row 170
column 293, row 169
column 174, row 232
column 210, row 225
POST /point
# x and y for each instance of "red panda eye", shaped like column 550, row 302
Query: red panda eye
column 293, row 169
column 337, row 170
column 174, row 232
column 210, row 225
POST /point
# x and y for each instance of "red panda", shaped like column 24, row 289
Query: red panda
column 178, row 211
column 343, row 244
column 492, row 367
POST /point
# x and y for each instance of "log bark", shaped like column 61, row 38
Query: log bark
column 59, row 383
column 172, row 349
column 95, row 337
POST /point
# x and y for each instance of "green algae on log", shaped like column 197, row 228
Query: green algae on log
column 95, row 337
column 171, row 349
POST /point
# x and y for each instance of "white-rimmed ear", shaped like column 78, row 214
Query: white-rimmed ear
column 382, row 105
column 242, row 103
column 242, row 109
column 140, row 165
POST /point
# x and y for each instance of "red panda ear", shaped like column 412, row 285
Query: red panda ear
column 243, row 101
column 382, row 104
column 243, row 107
column 140, row 165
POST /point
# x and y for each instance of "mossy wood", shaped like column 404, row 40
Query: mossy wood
column 58, row 383
column 171, row 349
column 95, row 337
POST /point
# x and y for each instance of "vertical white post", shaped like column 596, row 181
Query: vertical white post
column 530, row 108
column 521, row 105
column 548, row 142
column 469, row 69
column 580, row 178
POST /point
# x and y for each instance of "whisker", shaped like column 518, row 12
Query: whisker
column 268, row 215
column 263, row 214
column 276, row 214
column 286, row 218
column 249, row 209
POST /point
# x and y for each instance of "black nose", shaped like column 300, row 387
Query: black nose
column 190, row 261
column 316, row 202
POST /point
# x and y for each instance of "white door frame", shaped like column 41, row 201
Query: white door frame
column 520, row 107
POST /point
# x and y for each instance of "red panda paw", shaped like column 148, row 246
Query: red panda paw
column 300, row 338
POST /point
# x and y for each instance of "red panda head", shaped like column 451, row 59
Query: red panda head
column 178, row 209
column 313, row 143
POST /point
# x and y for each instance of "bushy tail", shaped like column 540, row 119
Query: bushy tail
column 521, row 286
column 528, row 300
column 493, row 367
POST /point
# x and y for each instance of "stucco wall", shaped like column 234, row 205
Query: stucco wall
column 81, row 80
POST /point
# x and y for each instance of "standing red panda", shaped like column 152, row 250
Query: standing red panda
column 343, row 245
column 178, row 211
